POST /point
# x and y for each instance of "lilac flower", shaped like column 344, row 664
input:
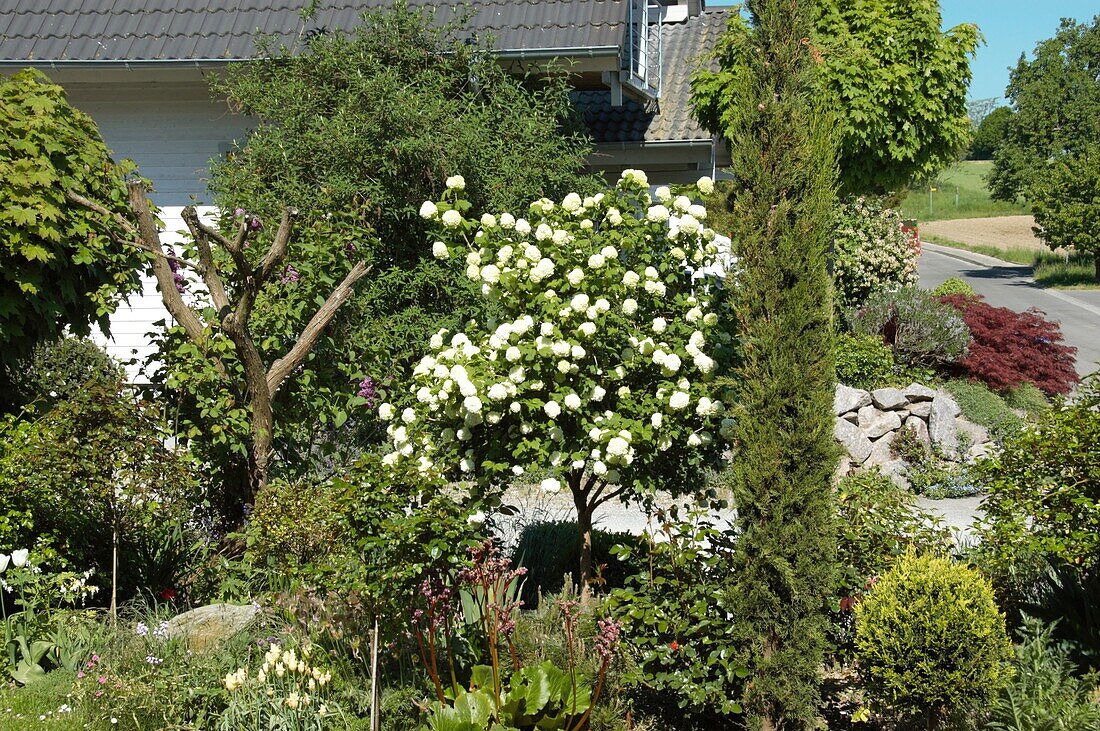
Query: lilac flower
column 290, row 274
column 161, row 632
column 177, row 275
column 367, row 391
column 142, row 629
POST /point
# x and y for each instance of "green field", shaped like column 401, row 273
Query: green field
column 959, row 192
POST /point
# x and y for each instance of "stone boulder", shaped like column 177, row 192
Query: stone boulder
column 920, row 430
column 921, row 409
column 854, row 441
column 881, row 452
column 205, row 627
column 942, row 428
column 888, row 399
column 849, row 399
column 916, row 393
column 875, row 423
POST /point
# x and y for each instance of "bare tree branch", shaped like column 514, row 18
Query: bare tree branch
column 207, row 269
column 126, row 226
column 284, row 366
column 275, row 255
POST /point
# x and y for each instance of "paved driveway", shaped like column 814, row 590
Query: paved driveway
column 1004, row 284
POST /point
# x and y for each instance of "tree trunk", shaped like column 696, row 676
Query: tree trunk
column 584, row 529
column 1096, row 263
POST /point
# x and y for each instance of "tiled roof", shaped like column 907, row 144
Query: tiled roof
column 685, row 46
column 46, row 31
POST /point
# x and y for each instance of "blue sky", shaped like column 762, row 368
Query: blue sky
column 1011, row 27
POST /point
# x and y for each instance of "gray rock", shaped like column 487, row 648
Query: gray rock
column 875, row 423
column 888, row 399
column 921, row 409
column 915, row 393
column 978, row 451
column 849, row 399
column 898, row 472
column 204, row 627
column 843, row 467
column 854, row 441
column 977, row 433
column 942, row 428
column 852, row 417
column 881, row 453
column 920, row 429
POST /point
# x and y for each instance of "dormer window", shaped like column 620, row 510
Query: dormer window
column 642, row 60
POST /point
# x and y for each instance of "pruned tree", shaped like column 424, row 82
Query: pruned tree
column 233, row 280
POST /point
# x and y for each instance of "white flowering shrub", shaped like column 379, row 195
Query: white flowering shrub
column 601, row 367
column 871, row 251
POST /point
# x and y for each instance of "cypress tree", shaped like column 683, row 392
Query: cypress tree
column 784, row 163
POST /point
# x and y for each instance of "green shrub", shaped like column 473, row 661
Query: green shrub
column 920, row 329
column 1044, row 694
column 953, row 285
column 982, row 406
column 863, row 361
column 930, row 640
column 56, row 369
column 1044, row 493
column 1027, row 398
column 551, row 549
column 1067, row 598
column 871, row 251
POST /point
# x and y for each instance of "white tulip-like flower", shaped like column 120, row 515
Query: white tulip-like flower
column 659, row 324
column 552, row 409
column 630, row 306
column 385, row 412
column 663, row 194
column 657, row 214
column 572, row 401
column 679, row 400
column 408, row 416
column 428, row 210
column 451, row 218
column 550, row 485
column 456, row 182
column 4, row 559
column 705, row 185
column 575, row 277
column 543, row 232
column 440, row 251
column 19, row 557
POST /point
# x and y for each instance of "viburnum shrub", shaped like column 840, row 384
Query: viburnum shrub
column 601, row 364
column 870, row 251
column 1009, row 348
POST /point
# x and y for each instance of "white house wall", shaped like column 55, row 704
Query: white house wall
column 172, row 131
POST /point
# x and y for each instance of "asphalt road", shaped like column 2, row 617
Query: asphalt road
column 1004, row 284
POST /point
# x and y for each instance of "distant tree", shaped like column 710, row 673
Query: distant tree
column 1052, row 143
column 990, row 134
column 59, row 269
column 978, row 109
column 901, row 106
column 1056, row 97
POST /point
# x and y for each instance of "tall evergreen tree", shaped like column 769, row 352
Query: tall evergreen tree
column 784, row 161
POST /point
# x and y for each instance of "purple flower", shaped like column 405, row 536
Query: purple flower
column 255, row 223
column 367, row 391
column 290, row 274
column 142, row 629
column 607, row 638
column 238, row 212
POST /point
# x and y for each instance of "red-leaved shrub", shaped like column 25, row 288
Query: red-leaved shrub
column 1009, row 348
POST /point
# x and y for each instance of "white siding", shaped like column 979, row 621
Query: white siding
column 172, row 131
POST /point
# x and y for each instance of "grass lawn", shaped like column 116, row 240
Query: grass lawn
column 959, row 192
column 44, row 705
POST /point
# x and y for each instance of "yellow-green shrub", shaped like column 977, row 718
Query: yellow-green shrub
column 930, row 640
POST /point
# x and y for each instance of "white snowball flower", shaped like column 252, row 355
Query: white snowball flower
column 659, row 324
column 631, row 279
column 472, row 404
column 595, row 433
column 564, row 366
column 652, row 273
column 490, row 273
column 439, row 250
column 705, row 185
column 385, row 412
column 523, row 228
column 694, row 440
column 575, row 277
column 663, row 194
column 498, row 392
column 630, row 306
column 698, row 211
column 596, row 261
column 488, row 220
column 428, row 210
column 436, row 341
column 587, row 329
column 614, row 217
column 560, row 348
column 505, row 253
column 689, row 224
column 656, row 420
column 452, row 218
column 542, row 270
column 507, row 220
column 657, row 214
column 552, row 409
column 577, row 352
column 598, row 392
column 562, row 237
column 550, row 485
column 571, row 202
column 678, row 401
column 464, row 434
column 579, row 301
column 543, row 232
column 710, row 318
column 512, row 354
column 599, row 468
column 572, row 401
column 456, row 182
column 693, row 314
column 682, row 203
column 408, row 416
column 466, row 464
column 672, row 363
